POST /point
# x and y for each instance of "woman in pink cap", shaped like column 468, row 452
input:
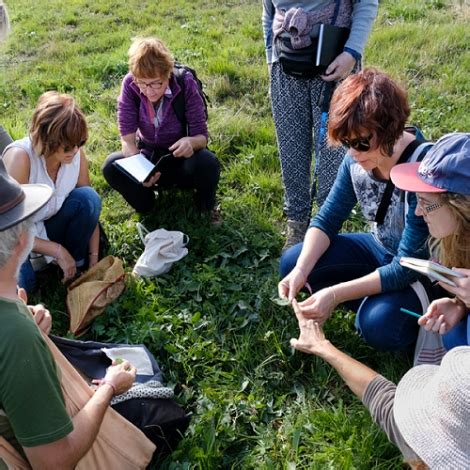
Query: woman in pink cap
column 442, row 184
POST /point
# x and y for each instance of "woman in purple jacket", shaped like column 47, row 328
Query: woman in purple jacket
column 148, row 124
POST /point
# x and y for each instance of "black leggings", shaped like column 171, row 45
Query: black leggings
column 200, row 172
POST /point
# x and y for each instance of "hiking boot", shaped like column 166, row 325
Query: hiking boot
column 295, row 233
column 215, row 216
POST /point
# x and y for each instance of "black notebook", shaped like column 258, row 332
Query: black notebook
column 331, row 41
column 139, row 167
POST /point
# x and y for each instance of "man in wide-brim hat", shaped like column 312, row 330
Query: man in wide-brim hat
column 33, row 417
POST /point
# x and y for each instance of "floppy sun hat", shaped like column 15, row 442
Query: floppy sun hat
column 432, row 410
column 445, row 168
column 18, row 202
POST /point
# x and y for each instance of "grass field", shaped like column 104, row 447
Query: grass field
column 213, row 322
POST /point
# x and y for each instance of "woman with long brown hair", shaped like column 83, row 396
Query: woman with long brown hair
column 442, row 184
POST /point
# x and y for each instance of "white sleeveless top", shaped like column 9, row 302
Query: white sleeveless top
column 66, row 181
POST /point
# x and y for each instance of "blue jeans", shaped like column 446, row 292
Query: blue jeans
column 72, row 227
column 379, row 320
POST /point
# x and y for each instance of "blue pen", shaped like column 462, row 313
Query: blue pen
column 409, row 312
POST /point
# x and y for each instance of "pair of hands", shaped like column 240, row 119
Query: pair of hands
column 41, row 315
column 443, row 314
column 121, row 375
column 181, row 148
column 311, row 339
column 318, row 306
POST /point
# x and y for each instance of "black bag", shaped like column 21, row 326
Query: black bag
column 327, row 43
column 163, row 421
column 299, row 63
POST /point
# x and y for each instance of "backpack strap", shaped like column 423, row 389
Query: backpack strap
column 178, row 102
column 407, row 156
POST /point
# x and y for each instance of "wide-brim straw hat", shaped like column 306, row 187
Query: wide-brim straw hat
column 432, row 411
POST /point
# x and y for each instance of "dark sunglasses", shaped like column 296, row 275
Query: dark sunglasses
column 361, row 144
column 79, row 145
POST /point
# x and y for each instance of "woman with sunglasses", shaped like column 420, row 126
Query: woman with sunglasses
column 442, row 184
column 148, row 124
column 66, row 228
column 361, row 270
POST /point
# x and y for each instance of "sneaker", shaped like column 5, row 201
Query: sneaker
column 215, row 216
column 295, row 233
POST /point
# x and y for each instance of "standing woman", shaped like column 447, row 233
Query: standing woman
column 66, row 229
column 148, row 123
column 362, row 270
column 442, row 184
column 5, row 139
column 295, row 101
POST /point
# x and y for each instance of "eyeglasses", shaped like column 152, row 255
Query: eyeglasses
column 429, row 207
column 68, row 148
column 361, row 144
column 155, row 85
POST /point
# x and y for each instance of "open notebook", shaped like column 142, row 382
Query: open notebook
column 434, row 271
column 139, row 168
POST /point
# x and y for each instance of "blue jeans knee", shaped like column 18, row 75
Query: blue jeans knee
column 381, row 323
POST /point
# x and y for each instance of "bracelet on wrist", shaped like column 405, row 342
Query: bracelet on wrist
column 58, row 251
column 93, row 254
column 108, row 382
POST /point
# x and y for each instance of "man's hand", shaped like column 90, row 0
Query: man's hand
column 182, row 148
column 442, row 315
column 41, row 315
column 340, row 68
column 311, row 339
column 121, row 376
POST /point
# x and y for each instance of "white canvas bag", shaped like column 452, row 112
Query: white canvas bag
column 162, row 249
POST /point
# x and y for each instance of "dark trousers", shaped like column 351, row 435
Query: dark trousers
column 200, row 172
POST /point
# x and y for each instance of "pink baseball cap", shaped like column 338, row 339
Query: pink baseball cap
column 445, row 168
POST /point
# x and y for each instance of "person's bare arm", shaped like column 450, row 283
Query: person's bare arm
column 67, row 452
column 356, row 375
column 320, row 305
column 93, row 247
column 128, row 145
column 83, row 175
column 17, row 164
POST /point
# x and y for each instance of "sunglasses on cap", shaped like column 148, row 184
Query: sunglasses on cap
column 361, row 144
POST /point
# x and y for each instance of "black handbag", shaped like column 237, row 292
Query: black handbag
column 327, row 42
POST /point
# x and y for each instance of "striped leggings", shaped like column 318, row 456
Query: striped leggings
column 297, row 119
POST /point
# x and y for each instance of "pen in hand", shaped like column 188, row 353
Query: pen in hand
column 409, row 312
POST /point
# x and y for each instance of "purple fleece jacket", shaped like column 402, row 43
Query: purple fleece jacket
column 133, row 113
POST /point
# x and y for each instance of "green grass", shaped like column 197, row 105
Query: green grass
column 211, row 322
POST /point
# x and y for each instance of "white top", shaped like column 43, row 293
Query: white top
column 66, row 181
